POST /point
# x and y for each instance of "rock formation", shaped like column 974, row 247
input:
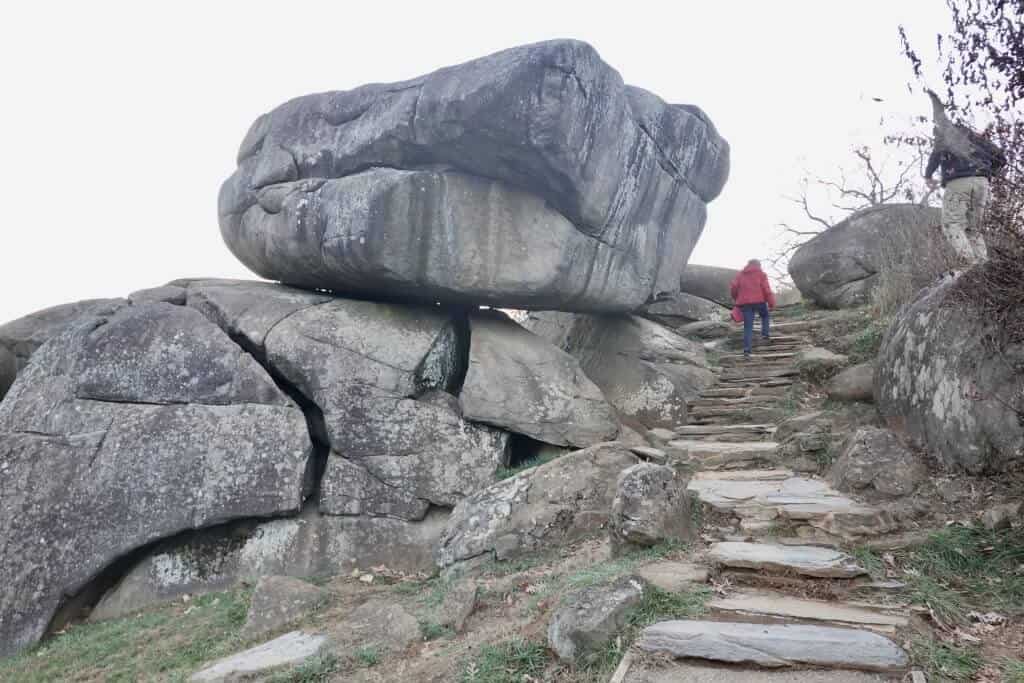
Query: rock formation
column 709, row 282
column 531, row 178
column 842, row 266
column 940, row 381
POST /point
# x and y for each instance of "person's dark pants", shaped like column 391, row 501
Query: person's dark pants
column 748, row 323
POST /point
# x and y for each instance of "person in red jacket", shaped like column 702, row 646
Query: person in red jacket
column 753, row 294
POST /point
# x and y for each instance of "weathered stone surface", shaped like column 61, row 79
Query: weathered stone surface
column 378, row 624
column 706, row 329
column 855, row 383
column 289, row 650
column 1001, row 516
column 727, row 454
column 529, row 178
column 308, row 545
column 817, row 364
column 806, row 560
column 651, row 506
column 658, row 671
column 939, row 383
column 377, row 372
column 709, row 282
column 8, row 370
column 523, row 383
column 876, row 459
column 124, row 430
column 841, row 267
column 168, row 294
column 774, row 645
column 544, row 507
column 591, row 617
column 459, row 604
column 645, row 370
column 780, row 605
column 679, row 309
column 672, row 576
column 278, row 601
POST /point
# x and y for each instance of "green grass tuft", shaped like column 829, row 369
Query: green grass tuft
column 313, row 670
column 367, row 656
column 945, row 662
column 513, row 661
column 166, row 642
column 1013, row 671
column 431, row 630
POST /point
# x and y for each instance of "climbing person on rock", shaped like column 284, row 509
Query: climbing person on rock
column 967, row 161
column 753, row 294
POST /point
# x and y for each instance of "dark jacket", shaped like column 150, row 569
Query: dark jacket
column 969, row 156
column 751, row 287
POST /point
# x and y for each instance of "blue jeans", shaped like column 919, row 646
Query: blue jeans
column 748, row 323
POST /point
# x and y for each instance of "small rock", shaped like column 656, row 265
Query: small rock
column 855, row 383
column 288, row 650
column 655, row 455
column 650, row 506
column 1000, row 516
column 876, row 459
column 591, row 617
column 673, row 577
column 459, row 603
column 660, row 435
column 280, row 600
column 818, row 365
column 377, row 623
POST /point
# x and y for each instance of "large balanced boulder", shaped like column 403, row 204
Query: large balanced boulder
column 680, row 309
column 531, row 178
column 644, row 369
column 942, row 380
column 842, row 266
column 125, row 429
column 709, row 282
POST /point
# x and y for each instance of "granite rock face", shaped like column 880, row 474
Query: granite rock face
column 709, row 282
column 651, row 506
column 644, row 369
column 842, row 266
column 530, row 178
column 126, row 429
column 592, row 617
column 876, row 459
column 938, row 382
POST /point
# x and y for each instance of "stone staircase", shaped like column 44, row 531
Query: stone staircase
column 774, row 539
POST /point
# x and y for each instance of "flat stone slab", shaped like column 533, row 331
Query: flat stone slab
column 774, row 604
column 807, row 560
column 701, row 449
column 764, row 495
column 774, row 645
column 745, row 475
column 673, row 576
column 712, row 430
column 660, row 672
column 290, row 649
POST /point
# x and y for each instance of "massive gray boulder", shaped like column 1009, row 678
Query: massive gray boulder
column 679, row 309
column 709, row 282
column 644, row 369
column 842, row 266
column 126, row 429
column 941, row 382
column 20, row 338
column 523, row 383
column 531, row 178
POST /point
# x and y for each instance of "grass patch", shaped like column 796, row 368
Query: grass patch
column 870, row 560
column 868, row 341
column 367, row 656
column 512, row 661
column 1013, row 671
column 431, row 630
column 313, row 670
column 945, row 662
column 963, row 568
column 169, row 642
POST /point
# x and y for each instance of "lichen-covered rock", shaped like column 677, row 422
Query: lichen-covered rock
column 523, row 383
column 840, row 267
column 856, row 383
column 644, row 369
column 126, row 429
column 554, row 504
column 592, row 617
column 939, row 382
column 876, row 459
column 651, row 506
column 709, row 282
column 529, row 178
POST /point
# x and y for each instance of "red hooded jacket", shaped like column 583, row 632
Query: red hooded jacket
column 751, row 287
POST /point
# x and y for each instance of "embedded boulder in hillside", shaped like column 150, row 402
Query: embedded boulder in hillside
column 842, row 266
column 644, row 369
column 126, row 429
column 940, row 382
column 530, row 178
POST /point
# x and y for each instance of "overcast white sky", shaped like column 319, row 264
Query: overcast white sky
column 120, row 120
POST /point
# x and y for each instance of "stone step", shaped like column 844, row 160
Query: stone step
column 698, row 430
column 734, row 410
column 782, row 606
column 712, row 454
column 639, row 668
column 762, row 499
column 746, row 374
column 290, row 649
column 773, row 645
column 757, row 383
column 756, row 357
column 739, row 401
column 726, row 420
column 806, row 560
